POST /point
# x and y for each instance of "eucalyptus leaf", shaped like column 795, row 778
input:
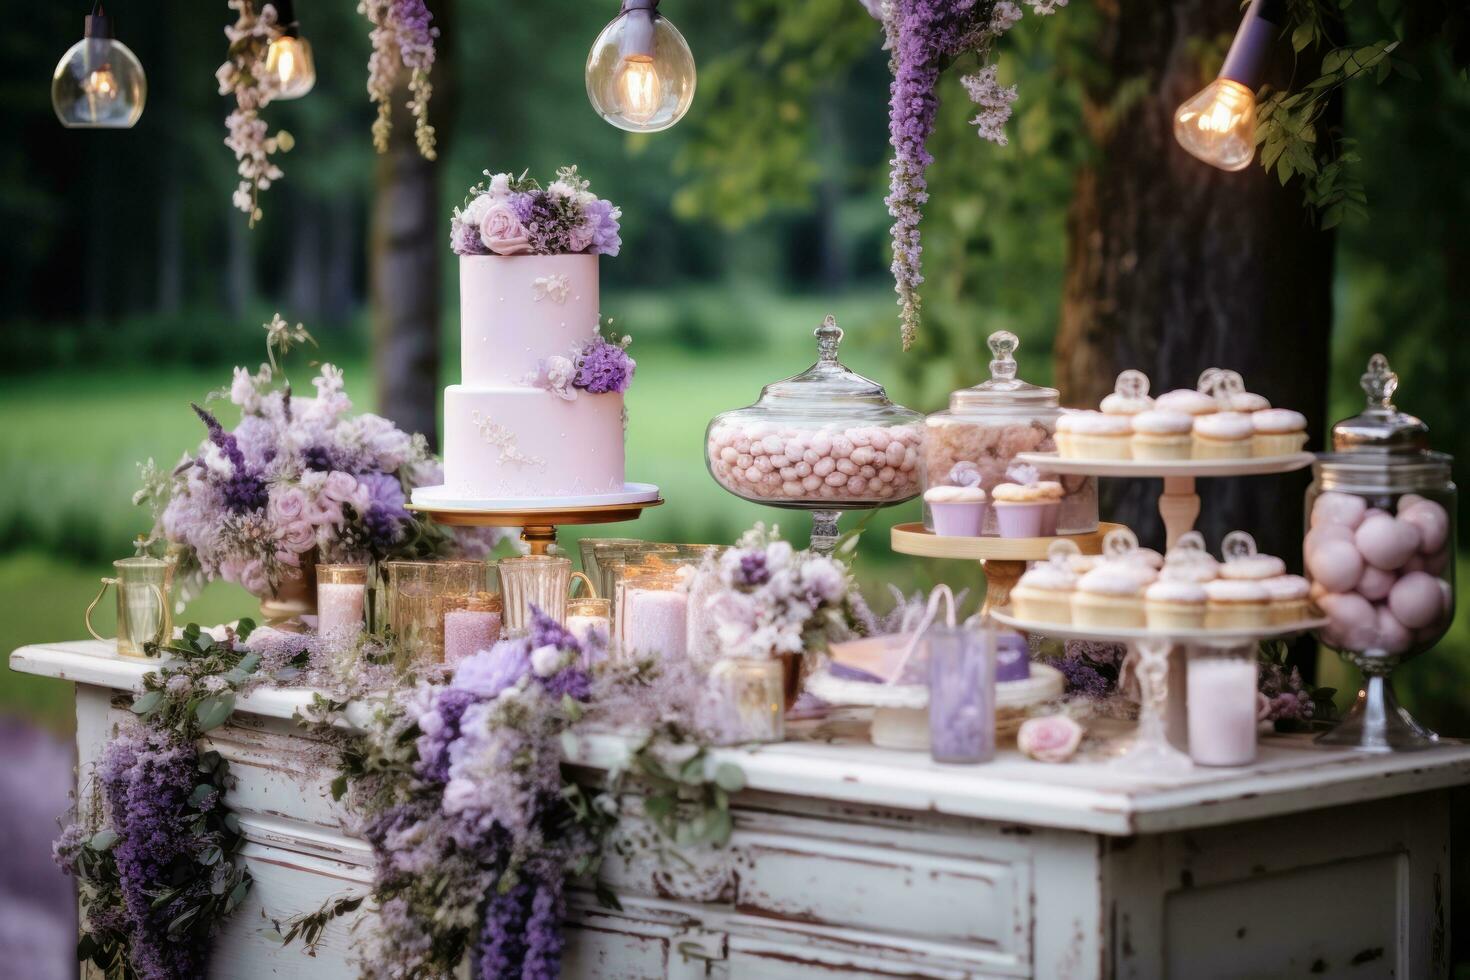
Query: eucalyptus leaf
column 103, row 840
column 147, row 702
column 215, row 711
column 729, row 777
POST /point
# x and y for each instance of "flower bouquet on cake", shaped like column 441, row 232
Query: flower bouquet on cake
column 298, row 480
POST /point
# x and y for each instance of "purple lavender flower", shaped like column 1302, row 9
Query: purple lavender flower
column 604, row 367
column 600, row 226
column 503, row 937
column 439, row 732
column 572, row 682
column 547, row 632
column 487, row 673
column 1083, row 679
column 217, row 435
column 544, row 939
column 753, row 571
column 318, row 459
column 245, row 492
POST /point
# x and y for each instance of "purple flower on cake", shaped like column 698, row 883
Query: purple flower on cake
column 604, row 367
column 1054, row 738
column 508, row 215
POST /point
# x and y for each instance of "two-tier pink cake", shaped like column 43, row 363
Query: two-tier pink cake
column 503, row 435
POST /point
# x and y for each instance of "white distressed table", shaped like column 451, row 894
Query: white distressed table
column 852, row 861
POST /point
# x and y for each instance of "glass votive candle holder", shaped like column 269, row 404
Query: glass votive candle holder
column 341, row 601
column 541, row 582
column 652, row 613
column 749, row 700
column 961, row 694
column 470, row 623
column 415, row 589
column 593, row 549
column 590, row 621
column 1221, row 685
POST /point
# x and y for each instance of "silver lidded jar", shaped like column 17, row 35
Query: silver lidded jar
column 976, row 440
column 826, row 440
column 1380, row 551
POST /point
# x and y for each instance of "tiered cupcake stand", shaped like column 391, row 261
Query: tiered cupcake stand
column 1149, row 651
column 1179, row 504
column 537, row 519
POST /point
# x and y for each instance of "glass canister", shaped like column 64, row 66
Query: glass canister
column 976, row 440
column 415, row 611
column 1380, row 552
column 825, row 440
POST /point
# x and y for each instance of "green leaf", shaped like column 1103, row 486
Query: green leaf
column 215, row 711
column 201, row 793
column 720, row 826
column 339, row 787
column 658, row 807
column 729, row 777
column 211, row 856
column 1302, row 37
column 147, row 702
column 606, row 897
column 692, row 771
column 1333, row 60
column 102, row 840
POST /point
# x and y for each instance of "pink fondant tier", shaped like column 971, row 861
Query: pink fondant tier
column 515, row 310
column 525, row 442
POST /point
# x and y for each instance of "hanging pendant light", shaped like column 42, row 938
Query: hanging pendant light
column 288, row 61
column 640, row 71
column 1218, row 125
column 98, row 83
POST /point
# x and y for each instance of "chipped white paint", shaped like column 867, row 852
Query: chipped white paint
column 850, row 861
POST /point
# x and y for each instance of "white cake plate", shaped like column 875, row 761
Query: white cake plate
column 1118, row 634
column 442, row 498
column 901, row 711
column 1179, row 503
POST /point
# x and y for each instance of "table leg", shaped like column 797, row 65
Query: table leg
column 1179, row 507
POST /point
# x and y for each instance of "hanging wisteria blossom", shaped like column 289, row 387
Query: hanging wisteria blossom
column 924, row 37
column 403, row 41
column 244, row 76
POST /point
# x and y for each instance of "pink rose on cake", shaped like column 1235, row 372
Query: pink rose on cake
column 502, row 231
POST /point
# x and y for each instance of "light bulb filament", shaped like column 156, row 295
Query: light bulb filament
column 101, row 84
column 641, row 89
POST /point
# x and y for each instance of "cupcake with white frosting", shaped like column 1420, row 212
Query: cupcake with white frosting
column 1236, row 604
column 1162, row 434
column 1223, row 435
column 1044, row 594
column 1021, row 509
column 1130, row 395
column 1109, row 597
column 1289, row 598
column 1174, row 604
column 1278, row 432
column 958, row 512
column 1093, row 435
column 1187, row 400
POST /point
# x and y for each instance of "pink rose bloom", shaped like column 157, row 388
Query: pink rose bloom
column 298, row 537
column 287, row 505
column 248, row 573
column 340, row 487
column 502, row 232
column 1051, row 739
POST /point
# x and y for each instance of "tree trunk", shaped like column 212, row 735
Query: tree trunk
column 408, row 238
column 1174, row 267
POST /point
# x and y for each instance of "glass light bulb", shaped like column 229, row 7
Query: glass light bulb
column 98, row 84
column 290, row 65
column 642, row 91
column 1219, row 125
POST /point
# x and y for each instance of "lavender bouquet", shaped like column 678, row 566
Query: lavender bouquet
column 507, row 215
column 295, row 476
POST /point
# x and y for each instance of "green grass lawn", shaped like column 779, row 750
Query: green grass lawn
column 70, row 444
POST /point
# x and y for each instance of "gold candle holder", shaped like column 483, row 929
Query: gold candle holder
column 651, row 613
column 469, row 623
column 750, row 699
column 590, row 621
column 415, row 589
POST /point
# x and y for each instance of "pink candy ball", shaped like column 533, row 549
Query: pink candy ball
column 1431, row 520
column 1338, row 508
column 1337, row 565
column 1352, row 621
column 1386, row 542
column 1326, row 532
column 1393, row 636
column 1375, row 583
column 1416, row 600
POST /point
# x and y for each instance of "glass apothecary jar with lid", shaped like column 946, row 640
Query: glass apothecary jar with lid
column 975, row 441
column 1380, row 552
column 827, row 440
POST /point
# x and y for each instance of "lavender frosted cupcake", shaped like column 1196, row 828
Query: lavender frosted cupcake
column 958, row 512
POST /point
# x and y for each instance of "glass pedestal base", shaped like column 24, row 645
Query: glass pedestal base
column 1378, row 723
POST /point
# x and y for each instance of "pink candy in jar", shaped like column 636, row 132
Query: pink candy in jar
column 1376, row 573
column 839, row 464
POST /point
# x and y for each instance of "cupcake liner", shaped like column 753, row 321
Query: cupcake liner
column 958, row 519
column 1019, row 520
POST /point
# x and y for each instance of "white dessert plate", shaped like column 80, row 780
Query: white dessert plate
column 1123, row 635
column 1044, row 684
column 1255, row 466
column 441, row 498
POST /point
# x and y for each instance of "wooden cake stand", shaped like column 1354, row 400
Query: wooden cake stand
column 1003, row 559
column 538, row 526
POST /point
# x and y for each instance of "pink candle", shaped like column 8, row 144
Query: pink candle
column 1222, row 708
column 655, row 623
column 467, row 632
column 590, row 631
column 339, row 607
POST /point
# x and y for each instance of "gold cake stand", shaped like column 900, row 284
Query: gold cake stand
column 1002, row 559
column 538, row 526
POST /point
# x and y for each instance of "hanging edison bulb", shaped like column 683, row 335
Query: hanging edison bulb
column 288, row 60
column 1218, row 124
column 98, row 83
column 640, row 71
